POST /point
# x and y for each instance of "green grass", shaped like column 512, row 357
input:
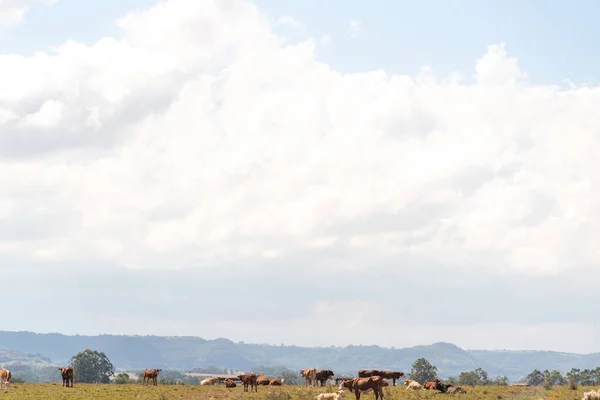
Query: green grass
column 167, row 392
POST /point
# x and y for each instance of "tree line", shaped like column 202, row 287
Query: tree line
column 586, row 377
column 92, row 366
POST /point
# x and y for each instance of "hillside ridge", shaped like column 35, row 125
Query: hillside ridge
column 187, row 352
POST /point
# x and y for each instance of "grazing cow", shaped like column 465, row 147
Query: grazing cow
column 262, row 380
column 229, row 383
column 67, row 375
column 456, row 390
column 365, row 373
column 5, row 377
column 431, row 385
column 412, row 385
column 331, row 396
column 276, row 382
column 385, row 383
column 151, row 374
column 249, row 379
column 393, row 375
column 362, row 385
column 323, row 375
column 209, row 381
column 310, row 375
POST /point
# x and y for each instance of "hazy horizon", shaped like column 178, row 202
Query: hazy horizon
column 292, row 344
column 314, row 173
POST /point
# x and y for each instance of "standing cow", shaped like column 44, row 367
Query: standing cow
column 67, row 375
column 362, row 385
column 323, row 375
column 151, row 374
column 5, row 378
column 310, row 374
column 393, row 375
column 249, row 379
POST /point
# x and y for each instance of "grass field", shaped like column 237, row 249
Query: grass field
column 173, row 392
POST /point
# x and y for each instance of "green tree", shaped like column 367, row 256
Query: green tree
column 122, row 378
column 535, row 378
column 554, row 378
column 574, row 375
column 422, row 371
column 477, row 377
column 291, row 378
column 91, row 366
column 452, row 380
column 499, row 381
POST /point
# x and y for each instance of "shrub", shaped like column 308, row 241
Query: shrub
column 573, row 384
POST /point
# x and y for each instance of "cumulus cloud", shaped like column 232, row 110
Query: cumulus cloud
column 289, row 21
column 12, row 12
column 186, row 144
column 186, row 137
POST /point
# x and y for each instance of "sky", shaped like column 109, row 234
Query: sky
column 309, row 173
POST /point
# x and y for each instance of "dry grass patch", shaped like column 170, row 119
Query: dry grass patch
column 165, row 392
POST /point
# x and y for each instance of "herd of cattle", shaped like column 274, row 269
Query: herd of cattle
column 367, row 380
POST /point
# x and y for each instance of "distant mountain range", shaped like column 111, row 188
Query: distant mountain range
column 185, row 352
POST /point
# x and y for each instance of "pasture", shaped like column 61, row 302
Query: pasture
column 175, row 392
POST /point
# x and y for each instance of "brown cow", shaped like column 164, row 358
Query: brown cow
column 262, row 380
column 229, row 383
column 249, row 379
column 362, row 385
column 323, row 375
column 431, row 385
column 393, row 375
column 345, row 378
column 310, row 375
column 365, row 373
column 151, row 374
column 5, row 377
column 67, row 375
column 276, row 382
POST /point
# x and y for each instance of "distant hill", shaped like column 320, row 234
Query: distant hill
column 11, row 357
column 135, row 352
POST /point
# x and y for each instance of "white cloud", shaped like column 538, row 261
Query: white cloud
column 355, row 27
column 188, row 144
column 244, row 140
column 12, row 12
column 286, row 20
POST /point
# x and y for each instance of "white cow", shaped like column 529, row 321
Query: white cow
column 331, row 396
column 209, row 381
column 412, row 385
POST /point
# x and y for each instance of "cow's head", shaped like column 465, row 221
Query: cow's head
column 346, row 383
